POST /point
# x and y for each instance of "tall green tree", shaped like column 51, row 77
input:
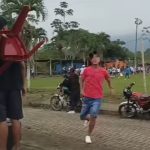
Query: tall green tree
column 60, row 27
column 10, row 10
column 78, row 43
column 63, row 11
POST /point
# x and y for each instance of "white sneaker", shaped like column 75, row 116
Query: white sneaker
column 71, row 112
column 86, row 123
column 88, row 139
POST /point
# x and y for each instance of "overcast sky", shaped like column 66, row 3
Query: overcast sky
column 115, row 17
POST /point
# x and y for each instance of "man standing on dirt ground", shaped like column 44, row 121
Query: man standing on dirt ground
column 12, row 87
column 91, row 85
column 74, row 85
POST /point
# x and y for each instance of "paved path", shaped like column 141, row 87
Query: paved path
column 48, row 130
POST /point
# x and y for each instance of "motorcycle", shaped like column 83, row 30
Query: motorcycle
column 61, row 100
column 135, row 103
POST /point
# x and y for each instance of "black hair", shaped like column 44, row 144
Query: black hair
column 3, row 22
column 91, row 55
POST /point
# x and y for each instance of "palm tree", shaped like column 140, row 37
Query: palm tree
column 57, row 24
column 74, row 24
column 102, row 42
column 63, row 12
column 38, row 35
column 61, row 40
column 11, row 8
column 63, row 4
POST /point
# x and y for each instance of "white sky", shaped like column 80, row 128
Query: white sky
column 115, row 17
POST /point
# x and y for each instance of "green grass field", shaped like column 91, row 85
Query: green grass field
column 50, row 84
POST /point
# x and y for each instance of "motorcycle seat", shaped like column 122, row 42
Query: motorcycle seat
column 145, row 97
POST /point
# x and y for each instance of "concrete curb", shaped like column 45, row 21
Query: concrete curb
column 47, row 106
column 109, row 112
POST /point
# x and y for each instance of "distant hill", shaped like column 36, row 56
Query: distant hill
column 130, row 42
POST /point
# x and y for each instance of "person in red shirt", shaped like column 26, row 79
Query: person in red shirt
column 91, row 85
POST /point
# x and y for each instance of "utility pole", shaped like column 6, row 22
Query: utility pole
column 143, row 65
column 137, row 22
column 144, row 37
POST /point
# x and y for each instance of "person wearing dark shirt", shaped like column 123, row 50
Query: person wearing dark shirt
column 64, row 86
column 12, row 87
column 74, row 90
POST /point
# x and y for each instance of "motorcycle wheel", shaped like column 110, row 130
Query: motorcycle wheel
column 127, row 111
column 55, row 103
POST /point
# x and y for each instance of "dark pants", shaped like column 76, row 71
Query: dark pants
column 10, row 105
column 74, row 99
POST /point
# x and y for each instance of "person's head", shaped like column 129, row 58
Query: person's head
column 77, row 71
column 3, row 23
column 94, row 58
column 72, row 70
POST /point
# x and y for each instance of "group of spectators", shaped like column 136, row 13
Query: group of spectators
column 127, row 71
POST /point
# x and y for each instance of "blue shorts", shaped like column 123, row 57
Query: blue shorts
column 90, row 106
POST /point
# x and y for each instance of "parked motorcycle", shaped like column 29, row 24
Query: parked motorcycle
column 61, row 100
column 135, row 103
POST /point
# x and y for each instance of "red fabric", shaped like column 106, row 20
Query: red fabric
column 93, row 82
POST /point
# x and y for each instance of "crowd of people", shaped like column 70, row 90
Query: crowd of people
column 126, row 71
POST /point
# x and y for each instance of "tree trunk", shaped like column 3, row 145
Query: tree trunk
column 28, row 75
column 50, row 67
column 29, row 67
column 83, row 54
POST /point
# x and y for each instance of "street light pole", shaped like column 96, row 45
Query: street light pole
column 137, row 22
column 144, row 37
column 143, row 65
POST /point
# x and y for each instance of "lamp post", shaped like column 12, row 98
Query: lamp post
column 144, row 36
column 137, row 22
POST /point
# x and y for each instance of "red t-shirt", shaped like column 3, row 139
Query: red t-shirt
column 93, row 81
